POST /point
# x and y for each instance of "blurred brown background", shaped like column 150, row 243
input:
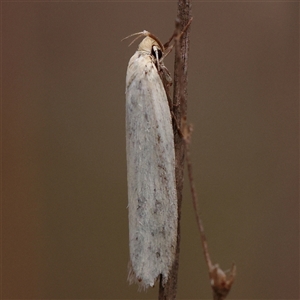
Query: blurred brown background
column 64, row 216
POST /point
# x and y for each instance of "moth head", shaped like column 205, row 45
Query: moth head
column 150, row 44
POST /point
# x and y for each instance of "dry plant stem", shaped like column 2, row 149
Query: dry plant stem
column 180, row 110
column 219, row 281
column 195, row 201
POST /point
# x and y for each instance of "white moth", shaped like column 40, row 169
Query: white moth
column 152, row 198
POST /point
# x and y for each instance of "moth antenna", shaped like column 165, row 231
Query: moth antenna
column 145, row 33
column 166, row 45
column 139, row 34
column 167, row 52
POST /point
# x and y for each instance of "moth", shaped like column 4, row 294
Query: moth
column 152, row 197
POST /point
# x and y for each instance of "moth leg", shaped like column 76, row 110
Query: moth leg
column 176, row 125
column 167, row 83
column 176, row 104
column 176, row 35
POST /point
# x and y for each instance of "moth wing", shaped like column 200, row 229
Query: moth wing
column 151, row 173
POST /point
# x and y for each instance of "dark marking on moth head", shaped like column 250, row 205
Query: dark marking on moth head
column 157, row 254
column 156, row 54
column 159, row 53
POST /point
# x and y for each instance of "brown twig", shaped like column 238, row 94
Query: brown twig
column 169, row 290
column 220, row 282
column 188, row 133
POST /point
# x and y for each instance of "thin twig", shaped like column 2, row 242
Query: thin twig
column 195, row 198
column 169, row 290
column 220, row 282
